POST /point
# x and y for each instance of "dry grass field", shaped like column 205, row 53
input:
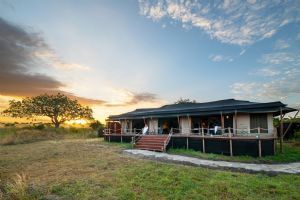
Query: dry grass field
column 94, row 169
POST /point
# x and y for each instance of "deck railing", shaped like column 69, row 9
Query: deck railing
column 168, row 139
column 213, row 132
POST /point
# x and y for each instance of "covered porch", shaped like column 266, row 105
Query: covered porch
column 220, row 125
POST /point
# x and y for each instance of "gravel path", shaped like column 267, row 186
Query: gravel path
column 289, row 168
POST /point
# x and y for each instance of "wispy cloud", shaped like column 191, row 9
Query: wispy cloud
column 242, row 52
column 49, row 57
column 279, row 58
column 124, row 97
column 285, row 80
column 242, row 22
column 19, row 63
column 220, row 58
column 281, row 44
column 267, row 72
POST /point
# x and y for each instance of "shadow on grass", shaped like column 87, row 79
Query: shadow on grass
column 291, row 153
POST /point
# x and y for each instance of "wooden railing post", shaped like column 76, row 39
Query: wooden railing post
column 187, row 142
column 259, row 147
column 203, row 142
column 230, row 143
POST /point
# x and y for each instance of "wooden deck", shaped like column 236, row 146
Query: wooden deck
column 235, row 145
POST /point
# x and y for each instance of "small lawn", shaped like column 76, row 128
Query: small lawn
column 94, row 169
column 291, row 153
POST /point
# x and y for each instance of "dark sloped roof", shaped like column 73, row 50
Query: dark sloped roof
column 208, row 108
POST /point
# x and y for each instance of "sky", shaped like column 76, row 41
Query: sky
column 116, row 56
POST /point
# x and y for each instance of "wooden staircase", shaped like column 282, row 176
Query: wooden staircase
column 152, row 142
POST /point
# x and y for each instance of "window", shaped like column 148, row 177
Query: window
column 258, row 121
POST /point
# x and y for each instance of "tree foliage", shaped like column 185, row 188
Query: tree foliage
column 59, row 108
column 184, row 101
column 98, row 126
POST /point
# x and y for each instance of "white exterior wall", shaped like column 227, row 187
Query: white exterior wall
column 123, row 126
column 270, row 124
column 126, row 126
column 153, row 125
column 185, row 125
column 243, row 123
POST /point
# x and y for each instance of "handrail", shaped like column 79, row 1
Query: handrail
column 204, row 131
column 135, row 138
column 166, row 142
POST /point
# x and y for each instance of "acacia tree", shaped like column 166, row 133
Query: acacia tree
column 184, row 101
column 59, row 108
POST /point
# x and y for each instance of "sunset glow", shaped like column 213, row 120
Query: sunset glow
column 116, row 56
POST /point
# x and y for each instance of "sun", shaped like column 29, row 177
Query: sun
column 77, row 121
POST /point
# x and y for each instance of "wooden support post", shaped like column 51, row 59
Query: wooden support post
column 121, row 139
column 222, row 122
column 203, row 144
column 274, row 144
column 132, row 142
column 187, row 142
column 281, row 130
column 230, row 144
column 259, row 147
column 290, row 124
column 235, row 120
column 109, row 138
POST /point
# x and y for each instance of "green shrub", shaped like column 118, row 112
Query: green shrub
column 99, row 127
column 297, row 135
column 19, row 189
column 39, row 127
column 9, row 124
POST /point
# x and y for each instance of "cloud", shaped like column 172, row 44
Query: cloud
column 281, row 44
column 231, row 21
column 19, row 60
column 298, row 36
column 267, row 72
column 219, row 58
column 280, row 58
column 285, row 81
column 242, row 52
column 48, row 56
column 128, row 98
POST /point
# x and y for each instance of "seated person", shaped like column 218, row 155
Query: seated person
column 145, row 129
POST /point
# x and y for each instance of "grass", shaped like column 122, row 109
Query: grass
column 94, row 169
column 291, row 153
column 13, row 135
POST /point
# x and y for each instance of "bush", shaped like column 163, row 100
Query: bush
column 297, row 135
column 9, row 124
column 99, row 127
column 20, row 136
column 100, row 132
column 39, row 127
column 12, row 135
column 19, row 189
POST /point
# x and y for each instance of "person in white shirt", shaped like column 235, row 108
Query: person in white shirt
column 145, row 129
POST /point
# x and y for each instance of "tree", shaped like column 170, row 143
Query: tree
column 97, row 126
column 184, row 101
column 59, row 108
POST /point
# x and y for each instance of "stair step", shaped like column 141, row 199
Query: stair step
column 149, row 145
column 157, row 139
column 152, row 142
column 151, row 149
